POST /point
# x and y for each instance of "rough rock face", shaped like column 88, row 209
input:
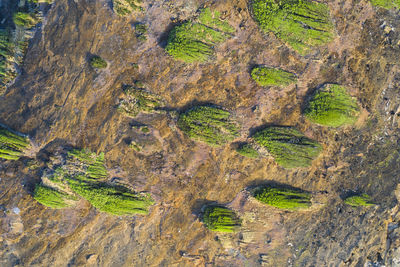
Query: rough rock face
column 61, row 102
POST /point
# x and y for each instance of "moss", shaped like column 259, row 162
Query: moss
column 359, row 200
column 138, row 100
column 248, row 151
column 135, row 146
column 116, row 200
column 332, row 106
column 12, row 145
column 83, row 175
column 98, row 63
column 51, row 198
column 220, row 219
column 90, row 164
column 26, row 20
column 141, row 31
column 195, row 41
column 283, row 198
column 126, row 7
column 265, row 76
column 211, row 125
column 289, row 147
column 7, row 59
column 302, row 24
column 388, row 4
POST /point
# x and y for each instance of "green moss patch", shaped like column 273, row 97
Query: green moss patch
column 26, row 20
column 283, row 198
column 116, row 200
column 388, row 4
column 265, row 76
column 220, row 219
column 98, row 63
column 359, row 200
column 52, row 198
column 126, row 7
column 302, row 24
column 12, row 145
column 138, row 100
column 248, row 151
column 195, row 41
column 289, row 147
column 82, row 175
column 141, row 31
column 332, row 106
column 211, row 125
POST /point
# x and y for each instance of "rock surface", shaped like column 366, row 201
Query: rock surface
column 59, row 100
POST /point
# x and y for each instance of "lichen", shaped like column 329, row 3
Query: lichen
column 266, row 76
column 211, row 125
column 195, row 41
column 220, row 219
column 283, row 197
column 332, row 106
column 289, row 147
column 302, row 24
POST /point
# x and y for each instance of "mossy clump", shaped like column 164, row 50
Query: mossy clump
column 141, row 31
column 89, row 164
column 195, row 41
column 289, row 147
column 283, row 198
column 302, row 24
column 266, row 76
column 26, row 20
column 126, row 7
column 12, row 145
column 248, row 151
column 211, row 125
column 52, row 198
column 388, row 4
column 7, row 50
column 138, row 100
column 116, row 200
column 359, row 200
column 82, row 175
column 220, row 219
column 332, row 106
column 98, row 63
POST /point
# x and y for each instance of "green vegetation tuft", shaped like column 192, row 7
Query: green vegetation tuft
column 126, row 7
column 265, row 76
column 359, row 200
column 220, row 219
column 138, row 100
column 195, row 41
column 26, row 20
column 90, row 163
column 302, row 24
column 51, row 197
column 12, row 145
column 83, row 174
column 248, row 151
column 283, row 198
column 116, row 200
column 289, row 147
column 388, row 4
column 211, row 125
column 98, row 63
column 141, row 31
column 332, row 106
